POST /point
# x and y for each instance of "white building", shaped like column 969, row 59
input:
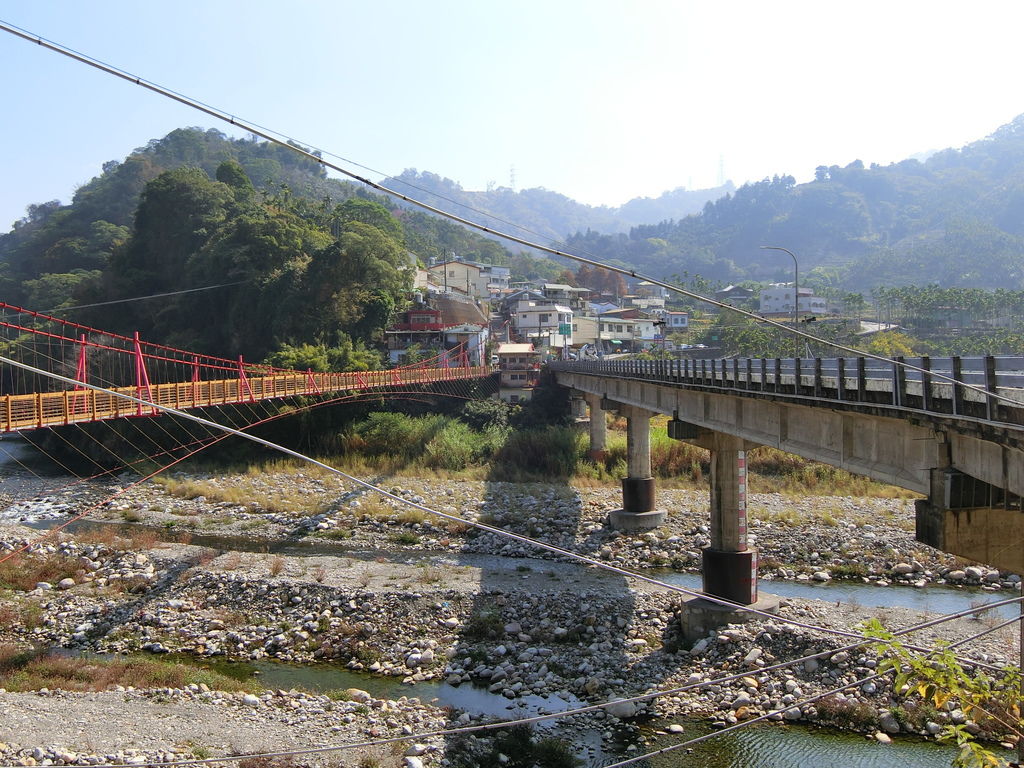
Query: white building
column 777, row 299
column 546, row 325
column 495, row 279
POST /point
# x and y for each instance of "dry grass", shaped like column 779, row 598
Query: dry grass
column 25, row 614
column 23, row 571
column 277, row 564
column 231, row 561
column 430, row 574
column 248, row 490
column 109, row 537
column 25, row 670
column 375, row 509
column 412, row 516
column 285, row 761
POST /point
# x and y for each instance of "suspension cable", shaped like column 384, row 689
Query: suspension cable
column 256, row 131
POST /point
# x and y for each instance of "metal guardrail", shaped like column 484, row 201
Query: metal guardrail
column 47, row 409
column 848, row 380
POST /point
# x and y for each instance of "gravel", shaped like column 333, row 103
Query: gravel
column 445, row 603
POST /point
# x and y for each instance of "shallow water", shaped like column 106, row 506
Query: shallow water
column 935, row 598
column 759, row 746
column 788, row 746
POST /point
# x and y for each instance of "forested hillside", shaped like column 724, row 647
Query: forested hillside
column 956, row 219
column 299, row 259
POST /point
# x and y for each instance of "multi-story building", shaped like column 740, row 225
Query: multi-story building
column 570, row 296
column 676, row 322
column 778, row 298
column 545, row 324
column 518, row 371
column 481, row 281
column 736, row 295
column 447, row 329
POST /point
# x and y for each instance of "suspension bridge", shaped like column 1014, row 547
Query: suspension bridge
column 137, row 378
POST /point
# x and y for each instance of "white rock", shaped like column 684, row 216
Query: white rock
column 621, row 709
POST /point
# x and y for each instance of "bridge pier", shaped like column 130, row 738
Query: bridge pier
column 638, row 487
column 598, row 428
column 578, row 406
column 729, row 566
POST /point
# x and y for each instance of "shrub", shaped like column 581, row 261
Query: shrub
column 397, row 433
column 484, row 625
column 548, row 452
column 453, row 447
column 483, row 415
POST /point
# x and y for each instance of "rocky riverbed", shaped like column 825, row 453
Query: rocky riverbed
column 474, row 610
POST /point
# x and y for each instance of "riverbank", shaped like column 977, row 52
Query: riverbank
column 474, row 611
column 807, row 538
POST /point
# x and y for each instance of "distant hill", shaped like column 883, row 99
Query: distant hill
column 956, row 219
column 548, row 213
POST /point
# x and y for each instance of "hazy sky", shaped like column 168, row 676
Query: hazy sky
column 599, row 100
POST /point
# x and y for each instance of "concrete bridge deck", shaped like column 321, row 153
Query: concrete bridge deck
column 960, row 447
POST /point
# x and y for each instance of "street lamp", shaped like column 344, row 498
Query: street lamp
column 796, row 292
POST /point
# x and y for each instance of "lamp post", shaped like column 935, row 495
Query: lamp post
column 796, row 292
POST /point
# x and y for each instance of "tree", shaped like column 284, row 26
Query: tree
column 891, row 344
column 992, row 700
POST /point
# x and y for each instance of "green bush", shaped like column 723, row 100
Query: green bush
column 398, row 433
column 454, row 447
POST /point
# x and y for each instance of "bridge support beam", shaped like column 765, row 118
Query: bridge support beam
column 638, row 488
column 598, row 428
column 973, row 519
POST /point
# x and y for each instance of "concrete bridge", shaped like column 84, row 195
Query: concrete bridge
column 959, row 447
